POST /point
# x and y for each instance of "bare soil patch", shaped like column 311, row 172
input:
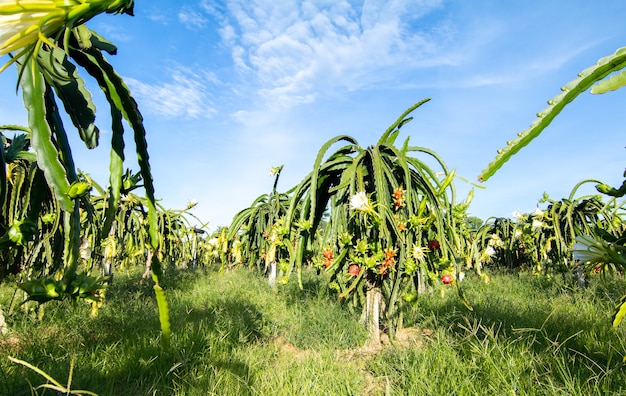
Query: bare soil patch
column 406, row 338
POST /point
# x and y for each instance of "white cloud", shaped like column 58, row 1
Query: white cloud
column 191, row 18
column 115, row 33
column 294, row 53
column 299, row 50
column 158, row 17
column 186, row 94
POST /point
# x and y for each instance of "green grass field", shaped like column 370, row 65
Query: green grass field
column 234, row 335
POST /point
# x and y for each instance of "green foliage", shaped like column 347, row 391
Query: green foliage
column 37, row 101
column 228, row 329
column 612, row 191
column 235, row 335
column 257, row 234
column 542, row 241
column 120, row 237
column 46, row 58
column 526, row 335
column 389, row 220
column 474, row 223
column 612, row 83
column 29, row 217
column 592, row 250
column 620, row 312
column 52, row 383
column 82, row 286
column 604, row 253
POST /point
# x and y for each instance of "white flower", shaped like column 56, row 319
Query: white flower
column 85, row 249
column 518, row 233
column 518, row 215
column 360, row 202
column 419, row 253
column 538, row 212
column 495, row 241
column 588, row 249
column 213, row 242
column 490, row 251
column 537, row 224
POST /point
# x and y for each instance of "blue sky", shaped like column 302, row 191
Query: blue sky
column 229, row 89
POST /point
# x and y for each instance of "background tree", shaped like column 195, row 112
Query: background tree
column 390, row 225
column 258, row 236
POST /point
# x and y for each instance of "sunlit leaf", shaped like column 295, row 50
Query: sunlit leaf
column 610, row 84
column 620, row 312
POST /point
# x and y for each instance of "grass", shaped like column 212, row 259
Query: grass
column 526, row 336
column 235, row 335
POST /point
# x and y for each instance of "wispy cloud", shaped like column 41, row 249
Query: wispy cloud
column 158, row 17
column 191, row 18
column 297, row 51
column 186, row 94
column 113, row 32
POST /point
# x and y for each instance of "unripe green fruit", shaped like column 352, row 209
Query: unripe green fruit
column 48, row 218
column 78, row 189
column 22, row 231
column 410, row 297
